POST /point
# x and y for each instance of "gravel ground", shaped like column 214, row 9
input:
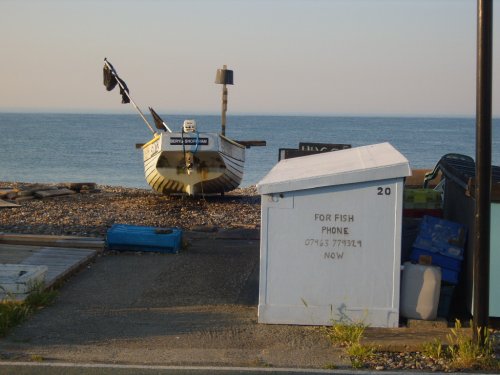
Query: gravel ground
column 92, row 214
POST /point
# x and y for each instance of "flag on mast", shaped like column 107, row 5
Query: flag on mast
column 111, row 79
column 160, row 124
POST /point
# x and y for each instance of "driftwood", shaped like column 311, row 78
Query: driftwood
column 44, row 191
column 33, row 189
column 5, row 204
column 77, row 186
column 5, row 191
column 23, row 199
column 53, row 193
column 10, row 195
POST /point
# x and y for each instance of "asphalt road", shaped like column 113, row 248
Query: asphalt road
column 196, row 308
column 7, row 368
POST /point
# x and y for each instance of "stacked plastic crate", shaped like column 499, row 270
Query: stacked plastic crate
column 420, row 202
column 440, row 242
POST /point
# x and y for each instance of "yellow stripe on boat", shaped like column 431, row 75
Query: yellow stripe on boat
column 156, row 137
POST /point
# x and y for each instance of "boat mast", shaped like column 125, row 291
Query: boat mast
column 224, row 77
column 112, row 69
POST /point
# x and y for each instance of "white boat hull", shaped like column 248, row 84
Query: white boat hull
column 193, row 163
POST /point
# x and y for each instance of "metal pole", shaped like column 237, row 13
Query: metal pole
column 224, row 109
column 131, row 100
column 481, row 257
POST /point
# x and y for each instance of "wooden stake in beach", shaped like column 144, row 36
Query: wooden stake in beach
column 224, row 77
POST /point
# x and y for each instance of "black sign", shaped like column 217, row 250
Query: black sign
column 309, row 149
column 322, row 147
column 188, row 141
column 288, row 153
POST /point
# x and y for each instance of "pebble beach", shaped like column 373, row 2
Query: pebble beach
column 92, row 213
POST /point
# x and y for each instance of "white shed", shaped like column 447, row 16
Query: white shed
column 331, row 238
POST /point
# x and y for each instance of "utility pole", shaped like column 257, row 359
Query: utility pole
column 481, row 263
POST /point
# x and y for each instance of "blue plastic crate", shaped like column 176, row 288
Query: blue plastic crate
column 443, row 236
column 437, row 259
column 123, row 237
column 449, row 276
column 442, row 248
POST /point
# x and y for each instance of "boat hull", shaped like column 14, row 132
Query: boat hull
column 193, row 163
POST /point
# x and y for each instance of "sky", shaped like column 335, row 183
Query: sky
column 352, row 57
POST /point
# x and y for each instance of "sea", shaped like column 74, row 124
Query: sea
column 101, row 148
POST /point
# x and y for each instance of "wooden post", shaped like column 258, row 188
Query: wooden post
column 224, row 109
column 224, row 106
column 224, row 77
column 482, row 223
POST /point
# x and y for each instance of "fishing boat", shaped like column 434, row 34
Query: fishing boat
column 193, row 163
column 188, row 161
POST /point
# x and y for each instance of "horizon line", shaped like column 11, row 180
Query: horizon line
column 94, row 111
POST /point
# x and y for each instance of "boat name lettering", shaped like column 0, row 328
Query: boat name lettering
column 152, row 149
column 188, row 141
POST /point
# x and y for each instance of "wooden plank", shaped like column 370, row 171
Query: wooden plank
column 255, row 143
column 52, row 240
column 6, row 191
column 25, row 198
column 13, row 258
column 53, row 193
column 59, row 267
column 77, row 186
column 61, row 262
column 12, row 247
column 32, row 189
column 94, row 244
column 58, row 255
column 15, row 253
column 4, row 204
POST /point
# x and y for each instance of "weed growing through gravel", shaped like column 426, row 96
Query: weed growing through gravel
column 39, row 297
column 345, row 334
column 465, row 352
column 434, row 349
column 359, row 354
column 462, row 353
column 13, row 313
column 349, row 335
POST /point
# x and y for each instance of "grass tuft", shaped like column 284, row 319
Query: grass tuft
column 348, row 336
column 465, row 352
column 345, row 334
column 13, row 313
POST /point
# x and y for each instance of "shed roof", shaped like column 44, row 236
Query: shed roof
column 367, row 163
